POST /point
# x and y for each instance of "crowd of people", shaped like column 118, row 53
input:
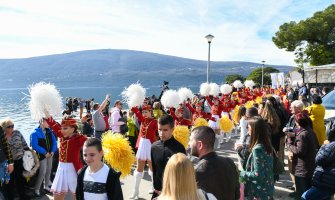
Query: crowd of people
column 266, row 121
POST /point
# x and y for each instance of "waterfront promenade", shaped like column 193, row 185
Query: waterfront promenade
column 281, row 192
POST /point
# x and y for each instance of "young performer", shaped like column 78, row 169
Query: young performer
column 71, row 142
column 96, row 180
column 146, row 137
column 198, row 112
column 179, row 120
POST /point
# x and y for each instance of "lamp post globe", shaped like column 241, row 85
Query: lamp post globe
column 209, row 38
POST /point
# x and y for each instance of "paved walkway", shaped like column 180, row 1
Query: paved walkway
column 281, row 192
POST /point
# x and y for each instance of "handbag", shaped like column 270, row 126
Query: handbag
column 278, row 165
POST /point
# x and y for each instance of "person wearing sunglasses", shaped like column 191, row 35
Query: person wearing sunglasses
column 17, row 145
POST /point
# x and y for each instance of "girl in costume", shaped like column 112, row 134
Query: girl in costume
column 71, row 142
column 179, row 120
column 216, row 110
column 146, row 137
column 198, row 112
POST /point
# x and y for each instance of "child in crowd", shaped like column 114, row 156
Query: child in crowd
column 96, row 180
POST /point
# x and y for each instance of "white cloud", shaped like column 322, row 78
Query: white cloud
column 242, row 29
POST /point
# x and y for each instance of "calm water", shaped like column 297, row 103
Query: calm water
column 13, row 103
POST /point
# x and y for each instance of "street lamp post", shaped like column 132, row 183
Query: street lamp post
column 209, row 38
column 263, row 72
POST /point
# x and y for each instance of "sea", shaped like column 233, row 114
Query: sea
column 14, row 102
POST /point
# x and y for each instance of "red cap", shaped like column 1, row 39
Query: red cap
column 180, row 110
column 198, row 104
column 69, row 122
column 146, row 107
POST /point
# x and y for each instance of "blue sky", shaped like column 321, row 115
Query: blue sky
column 242, row 28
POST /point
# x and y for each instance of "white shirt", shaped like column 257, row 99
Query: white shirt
column 95, row 184
column 244, row 130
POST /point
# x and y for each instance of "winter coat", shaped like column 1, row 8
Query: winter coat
column 304, row 149
column 43, row 143
column 324, row 175
column 317, row 115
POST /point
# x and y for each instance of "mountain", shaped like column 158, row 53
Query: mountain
column 116, row 68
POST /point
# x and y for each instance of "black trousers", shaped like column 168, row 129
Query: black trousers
column 302, row 184
column 17, row 182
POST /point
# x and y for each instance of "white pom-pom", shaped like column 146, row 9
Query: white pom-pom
column 215, row 89
column 134, row 95
column 226, row 89
column 44, row 100
column 205, row 88
column 184, row 94
column 238, row 84
column 249, row 84
column 170, row 99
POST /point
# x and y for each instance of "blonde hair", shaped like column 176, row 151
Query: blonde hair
column 6, row 122
column 179, row 180
column 156, row 105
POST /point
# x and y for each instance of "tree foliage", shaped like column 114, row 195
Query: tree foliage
column 233, row 77
column 256, row 75
column 312, row 40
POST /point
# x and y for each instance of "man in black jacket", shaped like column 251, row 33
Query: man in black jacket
column 162, row 150
column 214, row 174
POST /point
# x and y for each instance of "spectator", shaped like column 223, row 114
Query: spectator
column 213, row 169
column 81, row 107
column 243, row 149
column 17, row 145
column 297, row 106
column 6, row 163
column 323, row 180
column 97, row 180
column 132, row 130
column 304, row 100
column 86, row 127
column 75, row 104
column 325, row 90
column 162, row 150
column 303, row 90
column 304, row 148
column 115, row 116
column 179, row 181
column 98, row 118
column 258, row 176
column 43, row 141
column 317, row 113
column 88, row 105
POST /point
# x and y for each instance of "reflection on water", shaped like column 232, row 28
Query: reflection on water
column 13, row 103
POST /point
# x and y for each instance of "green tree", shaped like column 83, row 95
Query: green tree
column 256, row 75
column 233, row 77
column 312, row 40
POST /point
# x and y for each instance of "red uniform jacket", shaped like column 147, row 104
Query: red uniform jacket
column 196, row 115
column 148, row 129
column 180, row 121
column 69, row 149
column 215, row 110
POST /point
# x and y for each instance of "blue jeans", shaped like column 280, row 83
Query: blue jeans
column 315, row 193
column 4, row 175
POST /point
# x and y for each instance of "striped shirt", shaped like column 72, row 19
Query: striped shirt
column 17, row 145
